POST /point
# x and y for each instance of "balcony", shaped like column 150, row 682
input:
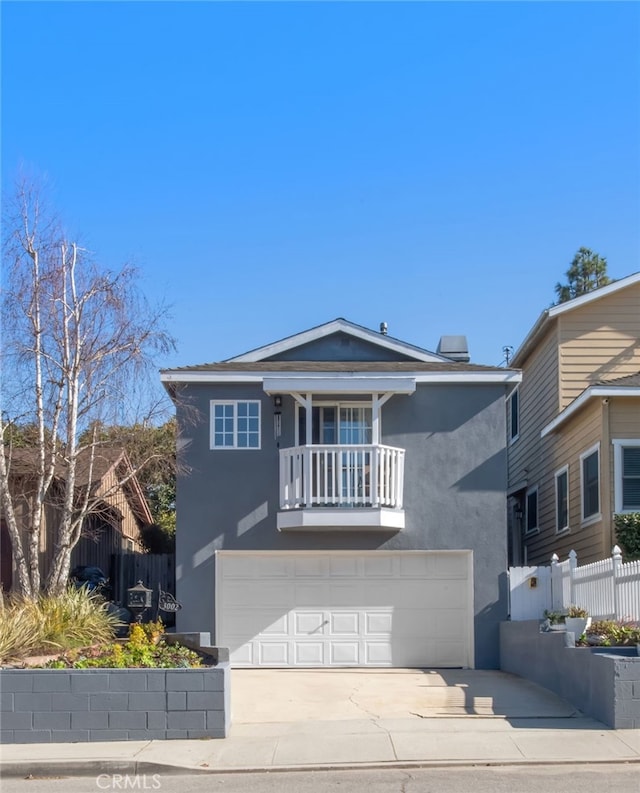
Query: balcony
column 337, row 486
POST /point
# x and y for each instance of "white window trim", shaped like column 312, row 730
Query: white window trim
column 557, row 475
column 527, row 531
column 514, row 394
column 235, row 403
column 587, row 521
column 618, row 445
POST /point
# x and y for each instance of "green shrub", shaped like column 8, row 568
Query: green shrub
column 143, row 649
column 615, row 633
column 77, row 618
column 628, row 534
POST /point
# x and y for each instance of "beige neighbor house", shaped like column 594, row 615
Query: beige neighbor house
column 573, row 427
column 113, row 527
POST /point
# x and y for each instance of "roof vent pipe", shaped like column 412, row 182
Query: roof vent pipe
column 383, row 328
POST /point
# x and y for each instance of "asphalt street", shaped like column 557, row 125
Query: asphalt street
column 604, row 778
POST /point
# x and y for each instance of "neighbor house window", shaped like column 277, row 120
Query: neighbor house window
column 627, row 475
column 531, row 516
column 235, row 424
column 513, row 405
column 562, row 499
column 590, row 482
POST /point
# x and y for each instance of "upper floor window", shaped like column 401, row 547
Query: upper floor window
column 590, row 482
column 627, row 475
column 513, row 404
column 235, row 424
column 562, row 499
column 531, row 514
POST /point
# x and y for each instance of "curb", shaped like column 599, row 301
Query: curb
column 93, row 768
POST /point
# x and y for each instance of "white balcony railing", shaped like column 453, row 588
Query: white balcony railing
column 355, row 475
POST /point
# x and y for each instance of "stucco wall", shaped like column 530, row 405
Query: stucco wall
column 455, row 477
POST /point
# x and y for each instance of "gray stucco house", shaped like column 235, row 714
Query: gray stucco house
column 343, row 502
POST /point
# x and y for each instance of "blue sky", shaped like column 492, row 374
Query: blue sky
column 272, row 166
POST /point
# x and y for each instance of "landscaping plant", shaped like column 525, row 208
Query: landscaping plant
column 142, row 650
column 628, row 534
column 49, row 624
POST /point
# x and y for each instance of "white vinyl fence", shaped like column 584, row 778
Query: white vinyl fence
column 607, row 589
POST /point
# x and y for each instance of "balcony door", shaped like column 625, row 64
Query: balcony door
column 336, row 424
column 339, row 476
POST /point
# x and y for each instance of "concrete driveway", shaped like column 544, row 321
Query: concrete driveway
column 261, row 696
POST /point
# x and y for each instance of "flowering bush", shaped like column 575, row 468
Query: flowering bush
column 144, row 649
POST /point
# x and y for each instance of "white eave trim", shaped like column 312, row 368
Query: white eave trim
column 593, row 391
column 336, row 326
column 342, row 379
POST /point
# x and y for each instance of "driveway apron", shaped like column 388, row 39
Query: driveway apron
column 262, row 696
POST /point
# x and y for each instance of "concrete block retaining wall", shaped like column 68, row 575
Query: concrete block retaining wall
column 601, row 684
column 64, row 705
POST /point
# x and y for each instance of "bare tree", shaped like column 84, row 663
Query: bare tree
column 78, row 346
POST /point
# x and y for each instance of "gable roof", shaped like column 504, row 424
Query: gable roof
column 627, row 386
column 339, row 325
column 549, row 315
column 91, row 469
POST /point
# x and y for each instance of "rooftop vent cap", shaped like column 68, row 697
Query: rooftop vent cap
column 454, row 347
column 383, row 328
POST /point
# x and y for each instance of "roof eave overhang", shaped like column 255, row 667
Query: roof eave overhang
column 604, row 392
column 342, row 379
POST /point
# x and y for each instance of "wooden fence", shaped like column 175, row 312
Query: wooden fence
column 157, row 571
column 607, row 589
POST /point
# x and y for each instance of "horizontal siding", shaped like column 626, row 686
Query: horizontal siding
column 564, row 448
column 599, row 340
column 624, row 417
column 538, row 406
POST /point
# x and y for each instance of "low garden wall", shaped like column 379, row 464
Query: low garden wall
column 598, row 682
column 65, row 705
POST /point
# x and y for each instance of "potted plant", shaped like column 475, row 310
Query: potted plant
column 577, row 621
column 554, row 620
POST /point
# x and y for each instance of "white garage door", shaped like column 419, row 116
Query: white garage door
column 371, row 608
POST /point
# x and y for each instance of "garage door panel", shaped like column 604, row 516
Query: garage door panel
column 344, row 623
column 271, row 653
column 341, row 653
column 310, row 566
column 340, row 566
column 345, row 609
column 309, row 653
column 249, row 622
column 378, row 623
column 310, row 594
column 346, row 594
column 308, row 623
column 378, row 654
column 382, row 565
column 271, row 593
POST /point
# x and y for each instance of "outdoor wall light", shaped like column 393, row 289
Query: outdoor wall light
column 277, row 401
